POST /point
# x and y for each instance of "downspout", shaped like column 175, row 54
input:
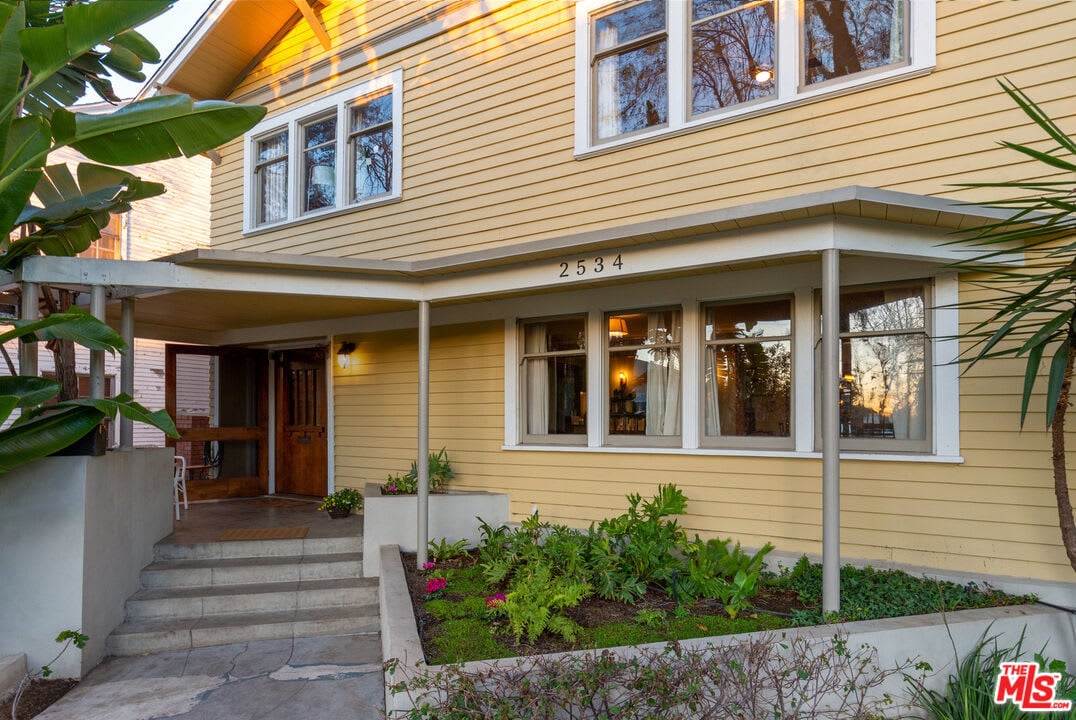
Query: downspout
column 423, row 462
column 831, row 458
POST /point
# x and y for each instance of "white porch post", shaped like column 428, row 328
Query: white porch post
column 127, row 367
column 28, row 311
column 423, row 430
column 97, row 357
column 831, row 459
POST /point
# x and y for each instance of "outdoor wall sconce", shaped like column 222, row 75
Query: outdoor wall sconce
column 343, row 355
column 618, row 328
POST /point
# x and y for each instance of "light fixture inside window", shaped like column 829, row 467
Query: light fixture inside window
column 343, row 355
column 763, row 73
column 618, row 328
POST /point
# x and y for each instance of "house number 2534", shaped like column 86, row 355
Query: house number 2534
column 592, row 266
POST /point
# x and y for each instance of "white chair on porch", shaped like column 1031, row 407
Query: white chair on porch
column 179, row 483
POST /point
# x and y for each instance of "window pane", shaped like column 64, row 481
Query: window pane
column 728, row 53
column 273, row 147
column 273, row 192
column 375, row 112
column 749, row 320
column 883, row 387
column 842, row 37
column 892, row 308
column 319, row 133
column 373, row 163
column 644, row 392
column 555, row 395
column 628, row 24
column 748, row 389
column 554, row 335
column 632, row 90
column 319, row 177
column 659, row 327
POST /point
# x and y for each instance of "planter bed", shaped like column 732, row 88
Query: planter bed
column 935, row 638
column 600, row 619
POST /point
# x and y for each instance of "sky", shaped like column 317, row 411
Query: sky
column 164, row 31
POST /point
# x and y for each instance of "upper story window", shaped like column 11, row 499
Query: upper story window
column 653, row 66
column 333, row 154
column 110, row 245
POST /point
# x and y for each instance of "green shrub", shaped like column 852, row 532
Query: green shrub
column 537, row 601
column 867, row 594
column 969, row 694
column 440, row 470
column 442, row 550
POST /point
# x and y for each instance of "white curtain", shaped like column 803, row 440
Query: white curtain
column 608, row 89
column 662, row 381
column 896, row 33
column 274, row 179
column 909, row 418
column 713, row 406
column 537, row 380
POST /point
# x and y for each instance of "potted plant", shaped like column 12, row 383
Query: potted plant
column 340, row 503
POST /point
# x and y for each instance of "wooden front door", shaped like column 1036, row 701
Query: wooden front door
column 302, row 444
column 219, row 398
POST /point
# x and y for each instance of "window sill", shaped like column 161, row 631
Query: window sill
column 320, row 215
column 690, row 125
column 857, row 455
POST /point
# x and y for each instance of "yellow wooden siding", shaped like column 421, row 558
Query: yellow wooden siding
column 489, row 113
column 994, row 514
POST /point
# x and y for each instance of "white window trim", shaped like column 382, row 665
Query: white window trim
column 921, row 46
column 945, row 398
column 292, row 120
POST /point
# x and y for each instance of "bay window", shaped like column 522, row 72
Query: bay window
column 334, row 154
column 646, row 67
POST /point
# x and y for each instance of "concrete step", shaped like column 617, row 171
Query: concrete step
column 135, row 637
column 203, row 601
column 209, row 572
column 258, row 548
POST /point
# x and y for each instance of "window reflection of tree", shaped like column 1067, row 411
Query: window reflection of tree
column 371, row 138
column 631, row 63
column 883, row 365
column 728, row 47
column 843, row 37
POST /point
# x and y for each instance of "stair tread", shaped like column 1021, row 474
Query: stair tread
column 274, row 560
column 131, row 627
column 252, row 588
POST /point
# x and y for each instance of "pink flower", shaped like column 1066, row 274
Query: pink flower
column 392, row 489
column 435, row 585
column 429, row 565
column 494, row 601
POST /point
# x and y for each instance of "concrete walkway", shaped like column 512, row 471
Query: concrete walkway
column 318, row 678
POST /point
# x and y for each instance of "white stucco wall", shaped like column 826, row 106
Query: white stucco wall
column 74, row 534
column 453, row 515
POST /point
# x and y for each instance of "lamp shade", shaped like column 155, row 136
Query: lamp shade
column 618, row 327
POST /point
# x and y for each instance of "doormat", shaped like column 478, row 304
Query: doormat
column 283, row 502
column 283, row 533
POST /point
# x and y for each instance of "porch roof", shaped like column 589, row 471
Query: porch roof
column 195, row 295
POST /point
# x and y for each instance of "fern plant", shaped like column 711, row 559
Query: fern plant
column 537, row 602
